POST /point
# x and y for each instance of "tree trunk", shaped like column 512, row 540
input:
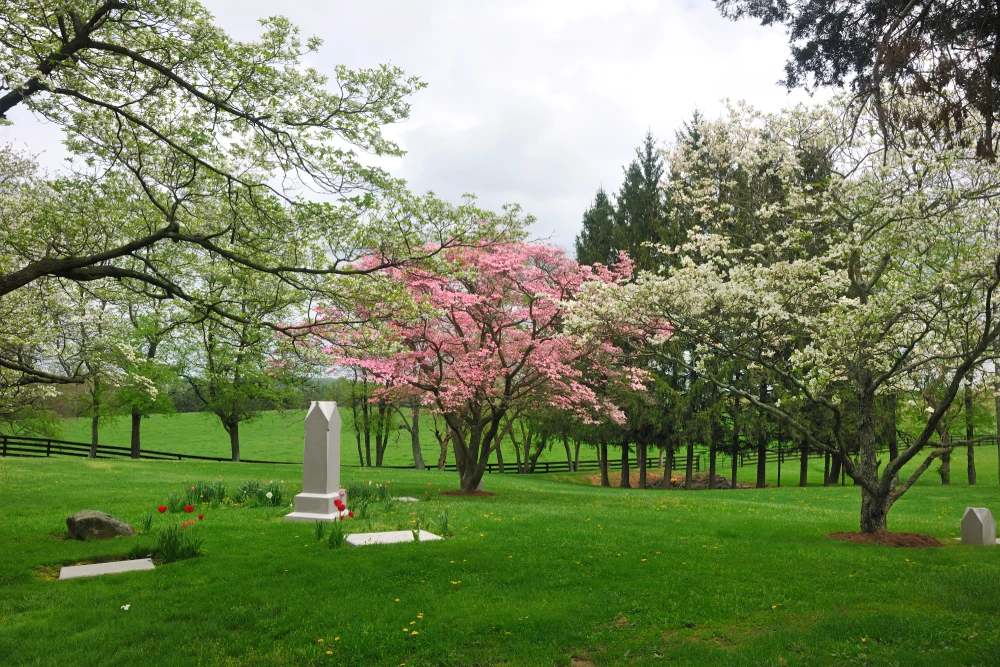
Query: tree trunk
column 762, row 444
column 136, row 425
column 499, row 449
column 234, row 439
column 626, row 482
column 94, row 422
column 668, row 466
column 713, row 451
column 761, row 460
column 874, row 503
column 970, row 433
column 443, row 454
column 640, row 456
column 418, row 455
column 689, row 466
column 569, row 454
column 804, row 465
column 835, row 468
column 893, row 433
column 996, row 408
column 826, row 470
column 735, row 453
column 576, row 456
column 602, row 455
column 945, row 469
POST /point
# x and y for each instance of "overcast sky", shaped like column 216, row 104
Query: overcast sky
column 537, row 102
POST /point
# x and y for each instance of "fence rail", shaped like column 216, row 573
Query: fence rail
column 24, row 447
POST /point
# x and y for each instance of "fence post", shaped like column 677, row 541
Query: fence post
column 5, row 445
column 48, row 448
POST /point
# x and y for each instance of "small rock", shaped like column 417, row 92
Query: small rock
column 91, row 524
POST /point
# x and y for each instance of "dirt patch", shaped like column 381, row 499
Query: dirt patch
column 889, row 539
column 654, row 480
column 459, row 492
column 582, row 662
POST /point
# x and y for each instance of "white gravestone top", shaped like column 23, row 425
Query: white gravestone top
column 320, row 466
column 389, row 537
column 978, row 526
column 95, row 569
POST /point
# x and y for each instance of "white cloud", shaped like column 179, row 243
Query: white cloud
column 533, row 101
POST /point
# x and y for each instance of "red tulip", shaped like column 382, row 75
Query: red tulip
column 350, row 514
column 162, row 508
column 200, row 517
column 189, row 508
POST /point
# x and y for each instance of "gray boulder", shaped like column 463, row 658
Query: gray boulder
column 91, row 524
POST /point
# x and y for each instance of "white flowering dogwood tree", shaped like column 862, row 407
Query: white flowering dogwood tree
column 876, row 271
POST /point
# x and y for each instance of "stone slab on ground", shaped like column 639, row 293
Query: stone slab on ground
column 389, row 537
column 407, row 499
column 96, row 569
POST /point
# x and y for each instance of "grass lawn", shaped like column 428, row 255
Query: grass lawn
column 545, row 571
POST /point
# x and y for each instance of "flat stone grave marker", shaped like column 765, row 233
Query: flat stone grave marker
column 407, row 499
column 96, row 569
column 389, row 537
column 978, row 527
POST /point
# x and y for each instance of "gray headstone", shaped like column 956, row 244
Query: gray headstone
column 482, row 485
column 75, row 571
column 94, row 525
column 978, row 526
column 320, row 466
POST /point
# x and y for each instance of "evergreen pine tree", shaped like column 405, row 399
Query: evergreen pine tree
column 597, row 241
column 641, row 212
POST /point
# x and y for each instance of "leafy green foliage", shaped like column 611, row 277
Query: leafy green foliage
column 175, row 543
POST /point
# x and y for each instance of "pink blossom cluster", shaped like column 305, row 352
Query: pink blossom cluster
column 486, row 333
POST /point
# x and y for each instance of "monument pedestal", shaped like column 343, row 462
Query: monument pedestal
column 316, row 507
column 320, row 467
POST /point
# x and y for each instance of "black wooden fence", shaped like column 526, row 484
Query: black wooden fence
column 24, row 447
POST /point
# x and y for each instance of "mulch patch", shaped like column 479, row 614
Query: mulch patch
column 459, row 492
column 889, row 539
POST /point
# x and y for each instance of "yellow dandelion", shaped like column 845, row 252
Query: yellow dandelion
column 414, row 633
column 397, row 599
column 320, row 640
column 413, row 622
column 864, row 639
column 329, row 652
column 336, row 639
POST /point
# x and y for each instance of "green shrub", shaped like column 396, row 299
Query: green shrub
column 177, row 543
column 176, row 502
column 337, row 537
column 206, row 492
column 260, row 494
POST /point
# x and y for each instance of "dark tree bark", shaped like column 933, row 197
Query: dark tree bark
column 826, row 470
column 735, row 452
column 970, row 433
column 713, row 451
column 233, row 428
column 418, row 455
column 640, row 456
column 835, row 469
column 626, row 483
column 762, row 445
column 136, row 448
column 689, row 466
column 94, row 422
column 804, row 464
column 893, row 435
column 576, row 456
column 602, row 455
column 569, row 454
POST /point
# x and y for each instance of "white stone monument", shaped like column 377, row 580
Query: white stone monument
column 978, row 526
column 320, row 466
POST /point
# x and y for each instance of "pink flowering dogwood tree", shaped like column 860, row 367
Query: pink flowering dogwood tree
column 482, row 339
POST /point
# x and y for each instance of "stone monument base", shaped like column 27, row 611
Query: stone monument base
column 316, row 507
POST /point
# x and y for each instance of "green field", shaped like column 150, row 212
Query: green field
column 545, row 571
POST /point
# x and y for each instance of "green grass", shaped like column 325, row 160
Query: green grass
column 273, row 436
column 547, row 570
